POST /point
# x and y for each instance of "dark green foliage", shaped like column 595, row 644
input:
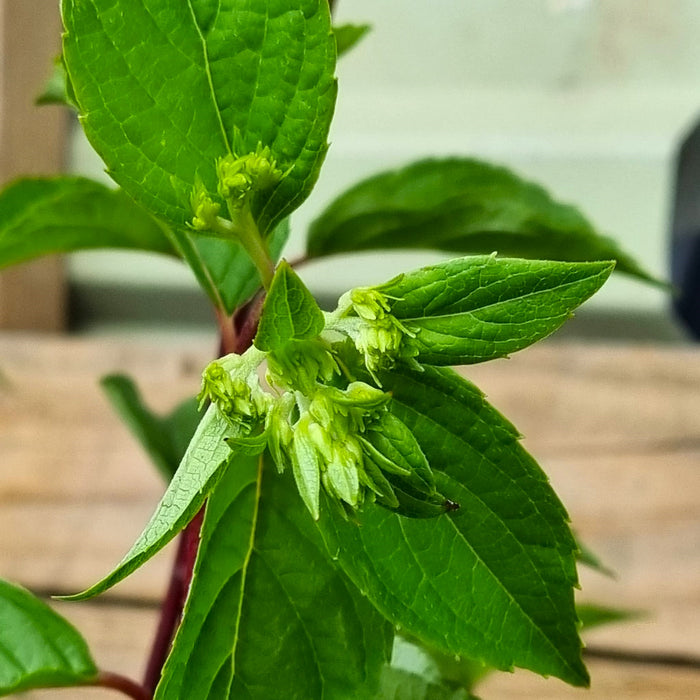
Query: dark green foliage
column 39, row 648
column 164, row 438
column 464, row 206
column 270, row 614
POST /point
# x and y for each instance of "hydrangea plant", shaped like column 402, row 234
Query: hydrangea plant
column 348, row 491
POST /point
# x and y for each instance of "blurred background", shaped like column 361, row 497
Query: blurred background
column 591, row 98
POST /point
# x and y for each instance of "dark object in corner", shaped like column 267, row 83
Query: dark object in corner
column 685, row 233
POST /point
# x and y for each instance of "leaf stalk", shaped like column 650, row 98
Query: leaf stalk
column 115, row 681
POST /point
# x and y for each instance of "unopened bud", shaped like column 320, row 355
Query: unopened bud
column 241, row 175
column 205, row 209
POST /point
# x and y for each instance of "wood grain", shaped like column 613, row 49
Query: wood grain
column 32, row 141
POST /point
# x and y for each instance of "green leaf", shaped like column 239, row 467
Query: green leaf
column 492, row 581
column 463, row 206
column 348, row 35
column 164, row 438
column 589, row 558
column 399, row 684
column 164, row 88
column 597, row 615
column 39, row 648
column 444, row 673
column 269, row 613
column 202, row 466
column 57, row 89
column 475, row 309
column 289, row 313
column 39, row 216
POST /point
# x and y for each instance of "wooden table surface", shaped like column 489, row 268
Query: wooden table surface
column 617, row 428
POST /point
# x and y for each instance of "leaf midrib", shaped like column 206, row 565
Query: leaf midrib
column 501, row 302
column 521, row 547
column 499, row 469
column 210, row 82
column 104, row 105
column 246, row 563
column 303, row 626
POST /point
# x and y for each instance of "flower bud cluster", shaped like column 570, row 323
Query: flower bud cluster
column 232, row 385
column 378, row 336
column 238, row 178
column 320, row 419
column 205, row 209
column 301, row 365
column 240, row 175
column 323, row 445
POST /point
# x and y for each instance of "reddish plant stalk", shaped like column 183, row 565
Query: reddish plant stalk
column 174, row 602
column 236, row 335
column 124, row 685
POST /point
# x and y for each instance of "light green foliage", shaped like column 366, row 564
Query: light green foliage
column 232, row 385
column 202, row 466
column 293, row 625
column 290, row 312
column 39, row 216
column 463, row 206
column 476, row 309
column 57, row 89
column 39, row 648
column 164, row 438
column 465, row 310
column 165, row 88
column 399, row 684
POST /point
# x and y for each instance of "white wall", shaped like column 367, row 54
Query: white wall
column 589, row 97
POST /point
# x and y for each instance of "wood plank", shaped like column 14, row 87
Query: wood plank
column 611, row 681
column 63, row 549
column 33, row 295
column 569, row 397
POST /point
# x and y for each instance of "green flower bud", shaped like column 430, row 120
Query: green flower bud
column 306, row 466
column 300, row 365
column 341, row 476
column 205, row 209
column 381, row 342
column 369, row 304
column 321, row 439
column 241, row 175
column 278, row 426
column 364, row 314
column 231, row 383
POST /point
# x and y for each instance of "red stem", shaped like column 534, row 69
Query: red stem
column 236, row 335
column 246, row 322
column 174, row 602
column 124, row 685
